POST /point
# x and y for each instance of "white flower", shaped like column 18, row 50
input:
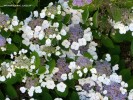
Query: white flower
column 70, row 76
column 2, row 78
column 79, row 73
column 48, row 42
column 52, row 16
column 123, row 91
column 131, row 27
column 93, row 70
column 9, row 40
column 63, row 32
column 64, row 77
column 75, row 46
column 41, row 35
column 78, row 88
column 115, row 67
column 45, row 24
column 32, row 99
column 32, row 66
column 72, row 66
column 115, row 78
column 3, row 49
column 38, row 89
column 82, row 42
column 50, row 84
column 105, row 92
column 43, row 84
column 58, row 37
column 85, row 70
column 31, row 91
column 105, row 98
column 61, row 87
column 58, row 99
column 23, row 89
column 100, row 78
column 108, row 57
column 106, row 81
column 123, row 84
column 42, row 14
column 38, row 28
column 35, row 13
column 122, row 29
column 130, row 96
column 15, row 21
column 50, row 4
column 7, row 98
column 59, row 12
column 91, row 19
column 57, row 53
column 56, row 24
column 75, row 19
column 66, row 43
column 94, row 77
column 87, row 37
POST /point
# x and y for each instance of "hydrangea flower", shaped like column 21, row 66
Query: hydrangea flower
column 3, row 20
column 113, row 91
column 35, row 22
column 103, row 68
column 75, row 32
column 63, row 69
column 31, row 82
column 2, row 41
column 81, row 2
column 83, row 62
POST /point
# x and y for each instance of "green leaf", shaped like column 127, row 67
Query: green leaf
column 5, row 2
column 131, row 48
column 10, row 48
column 12, row 80
column 76, row 76
column 41, row 69
column 46, row 96
column 115, row 51
column 85, row 14
column 115, row 59
column 95, row 19
column 121, row 64
column 96, row 35
column 116, row 13
column 130, row 84
column 37, row 59
column 16, row 1
column 1, row 96
column 51, row 64
column 11, row 92
column 126, row 74
column 116, row 37
column 70, row 83
column 88, row 55
column 107, row 42
column 62, row 94
column 16, row 38
column 67, row 19
column 31, row 5
column 5, row 34
column 9, row 10
column 74, row 96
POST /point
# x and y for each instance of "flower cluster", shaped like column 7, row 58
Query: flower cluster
column 57, row 53
column 102, row 87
